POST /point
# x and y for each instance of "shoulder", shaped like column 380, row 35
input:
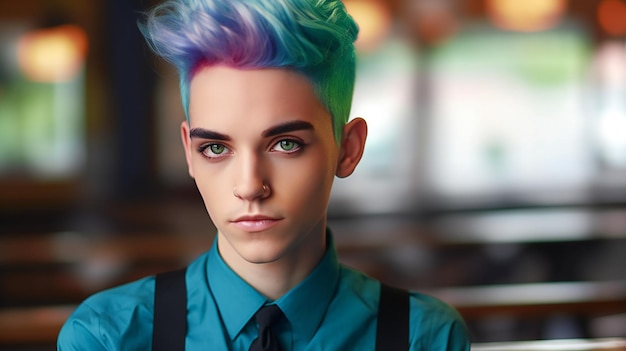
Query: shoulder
column 106, row 318
column 356, row 285
column 423, row 305
column 435, row 325
column 133, row 295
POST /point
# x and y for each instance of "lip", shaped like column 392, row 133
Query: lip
column 256, row 223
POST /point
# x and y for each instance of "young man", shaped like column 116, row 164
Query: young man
column 266, row 87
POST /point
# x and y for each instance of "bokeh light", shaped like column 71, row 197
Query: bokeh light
column 525, row 16
column 52, row 54
column 612, row 17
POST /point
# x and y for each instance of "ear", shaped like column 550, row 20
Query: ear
column 184, row 134
column 352, row 146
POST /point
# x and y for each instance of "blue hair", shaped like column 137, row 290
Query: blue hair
column 311, row 37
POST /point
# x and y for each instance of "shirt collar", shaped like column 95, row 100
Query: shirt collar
column 305, row 305
column 237, row 301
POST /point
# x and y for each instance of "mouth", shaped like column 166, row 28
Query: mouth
column 255, row 223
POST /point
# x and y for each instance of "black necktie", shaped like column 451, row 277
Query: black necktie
column 266, row 317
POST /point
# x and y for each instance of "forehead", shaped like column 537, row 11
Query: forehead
column 221, row 94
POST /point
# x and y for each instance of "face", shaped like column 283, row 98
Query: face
column 260, row 147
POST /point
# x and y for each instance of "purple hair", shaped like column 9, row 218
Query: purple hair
column 312, row 37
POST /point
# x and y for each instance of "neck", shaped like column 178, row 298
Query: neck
column 275, row 276
column 275, row 280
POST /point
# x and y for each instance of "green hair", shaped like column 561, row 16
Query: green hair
column 312, row 37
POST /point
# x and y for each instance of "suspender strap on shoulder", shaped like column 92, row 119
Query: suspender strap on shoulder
column 392, row 332
column 170, row 315
column 170, row 311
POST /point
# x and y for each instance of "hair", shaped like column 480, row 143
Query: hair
column 312, row 37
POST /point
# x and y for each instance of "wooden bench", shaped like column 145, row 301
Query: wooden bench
column 67, row 267
column 34, row 326
column 540, row 299
column 612, row 344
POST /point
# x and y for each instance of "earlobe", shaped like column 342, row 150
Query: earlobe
column 184, row 134
column 352, row 146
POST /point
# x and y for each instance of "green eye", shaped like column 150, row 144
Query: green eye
column 288, row 145
column 217, row 148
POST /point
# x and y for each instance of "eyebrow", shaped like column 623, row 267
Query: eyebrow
column 287, row 127
column 207, row 134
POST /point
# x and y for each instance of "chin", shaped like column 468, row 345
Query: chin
column 260, row 252
column 262, row 259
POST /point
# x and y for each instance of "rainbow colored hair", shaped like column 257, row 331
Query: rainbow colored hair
column 312, row 37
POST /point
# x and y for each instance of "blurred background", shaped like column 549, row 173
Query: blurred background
column 494, row 175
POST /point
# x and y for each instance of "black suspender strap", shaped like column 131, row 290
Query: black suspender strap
column 392, row 332
column 170, row 311
column 170, row 315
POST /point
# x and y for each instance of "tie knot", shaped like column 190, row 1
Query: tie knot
column 268, row 315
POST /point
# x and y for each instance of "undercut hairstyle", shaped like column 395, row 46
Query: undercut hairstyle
column 312, row 37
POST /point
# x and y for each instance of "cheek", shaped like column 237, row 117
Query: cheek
column 211, row 185
column 310, row 181
column 214, row 198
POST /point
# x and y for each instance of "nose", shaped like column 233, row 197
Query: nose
column 250, row 182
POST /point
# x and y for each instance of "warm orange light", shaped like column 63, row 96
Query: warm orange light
column 432, row 21
column 52, row 54
column 612, row 17
column 526, row 15
column 374, row 22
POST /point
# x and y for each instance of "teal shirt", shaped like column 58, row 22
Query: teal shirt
column 334, row 308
